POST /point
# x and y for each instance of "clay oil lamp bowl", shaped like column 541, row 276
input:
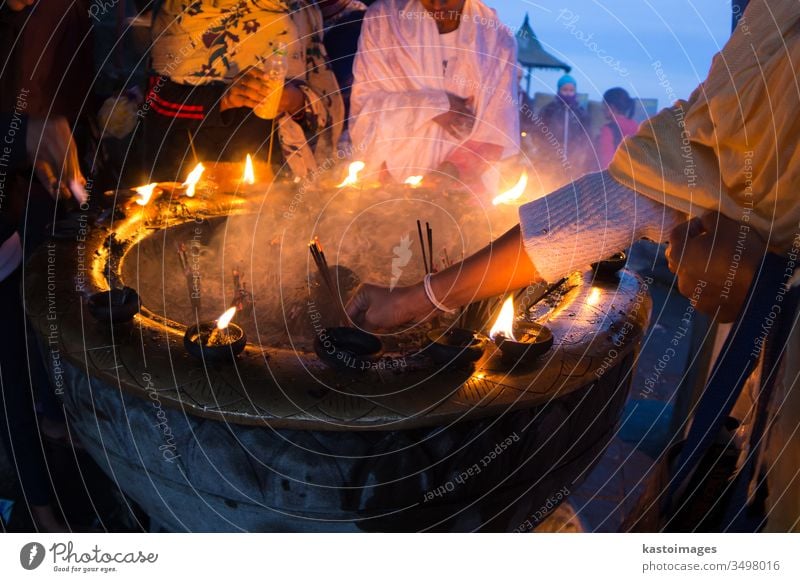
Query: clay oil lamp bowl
column 609, row 267
column 520, row 342
column 114, row 306
column 216, row 341
column 72, row 226
column 347, row 348
column 455, row 346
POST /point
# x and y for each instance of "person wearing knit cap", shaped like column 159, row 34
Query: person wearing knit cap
column 563, row 151
column 566, row 80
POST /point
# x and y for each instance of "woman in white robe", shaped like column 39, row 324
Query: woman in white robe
column 435, row 89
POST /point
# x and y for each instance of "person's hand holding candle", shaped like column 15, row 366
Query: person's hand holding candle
column 253, row 87
column 54, row 156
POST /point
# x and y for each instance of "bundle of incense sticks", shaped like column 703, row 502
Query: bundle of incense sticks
column 192, row 279
column 242, row 298
column 427, row 258
column 325, row 274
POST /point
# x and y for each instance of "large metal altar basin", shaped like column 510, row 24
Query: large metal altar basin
column 281, row 442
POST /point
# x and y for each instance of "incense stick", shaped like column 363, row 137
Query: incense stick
column 429, row 230
column 446, row 258
column 191, row 144
column 325, row 274
column 422, row 246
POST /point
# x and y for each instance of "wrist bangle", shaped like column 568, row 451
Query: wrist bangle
column 426, row 282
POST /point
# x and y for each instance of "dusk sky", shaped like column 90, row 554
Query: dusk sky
column 629, row 36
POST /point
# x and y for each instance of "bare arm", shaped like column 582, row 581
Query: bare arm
column 582, row 222
column 499, row 267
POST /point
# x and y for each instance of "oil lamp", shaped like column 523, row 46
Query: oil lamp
column 609, row 267
column 512, row 194
column 455, row 346
column 352, row 174
column 249, row 176
column 519, row 341
column 145, row 193
column 216, row 340
column 193, row 178
column 413, row 181
column 114, row 306
column 347, row 348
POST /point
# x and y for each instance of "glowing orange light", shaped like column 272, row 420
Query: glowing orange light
column 413, row 181
column 504, row 325
column 513, row 193
column 225, row 319
column 193, row 178
column 352, row 174
column 145, row 193
column 594, row 297
column 249, row 174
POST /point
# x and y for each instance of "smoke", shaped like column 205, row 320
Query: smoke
column 402, row 255
column 359, row 231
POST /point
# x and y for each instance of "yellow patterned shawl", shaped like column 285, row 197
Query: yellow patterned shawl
column 205, row 41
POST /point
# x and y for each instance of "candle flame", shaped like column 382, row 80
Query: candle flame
column 249, row 174
column 504, row 324
column 225, row 319
column 513, row 193
column 145, row 193
column 352, row 173
column 413, row 181
column 193, row 178
column 594, row 297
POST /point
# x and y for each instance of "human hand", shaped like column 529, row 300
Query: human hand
column 253, row 87
column 460, row 120
column 715, row 259
column 247, row 90
column 292, row 99
column 379, row 308
column 54, row 156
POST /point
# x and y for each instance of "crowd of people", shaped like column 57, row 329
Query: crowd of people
column 417, row 87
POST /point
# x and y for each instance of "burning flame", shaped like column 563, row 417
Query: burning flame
column 193, row 178
column 352, row 174
column 249, row 175
column 504, row 324
column 145, row 193
column 225, row 318
column 413, row 181
column 515, row 192
column 594, row 297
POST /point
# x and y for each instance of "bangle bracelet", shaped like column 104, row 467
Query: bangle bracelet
column 426, row 282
